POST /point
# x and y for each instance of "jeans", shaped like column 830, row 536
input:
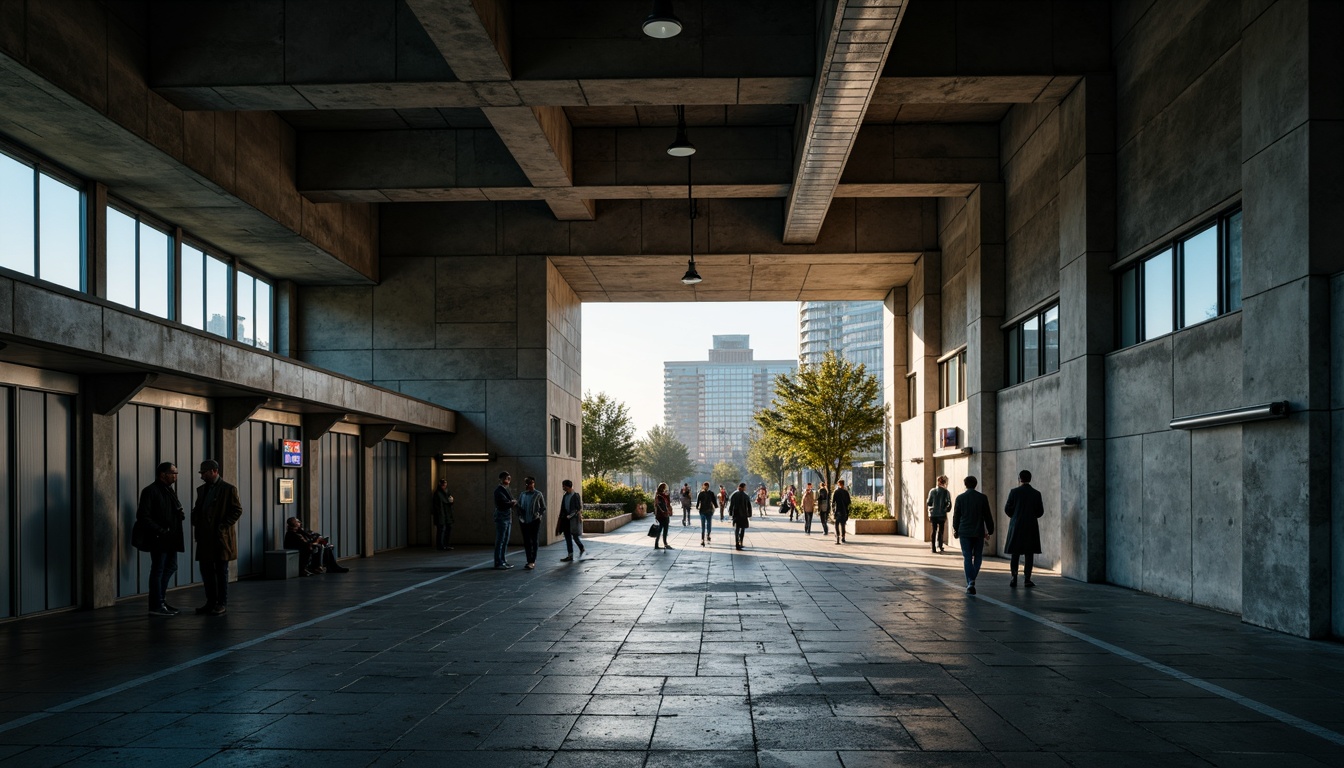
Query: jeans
column 1030, row 558
column 530, row 531
column 162, row 566
column 824, row 529
column 939, row 531
column 840, row 527
column 685, row 515
column 706, row 524
column 739, row 534
column 444, row 533
column 663, row 524
column 807, row 522
column 503, row 524
column 973, row 554
column 571, row 539
column 215, row 579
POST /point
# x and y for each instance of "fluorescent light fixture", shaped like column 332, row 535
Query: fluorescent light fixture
column 467, row 458
column 662, row 23
column 1277, row 410
column 1062, row 442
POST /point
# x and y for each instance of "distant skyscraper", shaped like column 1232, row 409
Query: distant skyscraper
column 710, row 404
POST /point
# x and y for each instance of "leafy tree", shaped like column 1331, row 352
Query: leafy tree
column 828, row 412
column 608, row 435
column 771, row 457
column 727, row 474
column 663, row 457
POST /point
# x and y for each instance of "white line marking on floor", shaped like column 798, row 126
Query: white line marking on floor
column 1217, row 690
column 92, row 697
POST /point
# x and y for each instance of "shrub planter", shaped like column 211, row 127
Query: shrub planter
column 883, row 526
column 606, row 525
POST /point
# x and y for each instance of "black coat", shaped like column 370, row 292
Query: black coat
column 971, row 516
column 571, row 514
column 739, row 507
column 159, row 505
column 840, row 504
column 707, row 502
column 1024, row 533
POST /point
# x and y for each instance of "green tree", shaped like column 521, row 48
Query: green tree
column 663, row 457
column 828, row 412
column 771, row 457
column 608, row 435
column 727, row 474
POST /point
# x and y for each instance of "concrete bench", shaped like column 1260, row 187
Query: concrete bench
column 282, row 563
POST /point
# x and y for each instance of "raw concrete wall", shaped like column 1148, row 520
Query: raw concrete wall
column 1030, row 148
column 1026, row 412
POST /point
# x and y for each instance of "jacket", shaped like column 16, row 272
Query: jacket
column 531, row 506
column 443, row 508
column 1023, row 508
column 571, row 514
column 809, row 502
column 939, row 503
column 213, row 516
column 159, row 505
column 706, row 502
column 739, row 507
column 662, row 507
column 840, row 504
column 971, row 515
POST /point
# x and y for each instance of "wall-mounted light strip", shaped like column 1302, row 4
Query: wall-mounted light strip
column 466, row 458
column 1277, row 410
column 953, row 453
column 1062, row 442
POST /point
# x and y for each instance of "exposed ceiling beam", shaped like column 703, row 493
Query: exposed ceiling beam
column 860, row 37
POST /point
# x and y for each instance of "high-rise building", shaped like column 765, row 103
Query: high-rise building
column 710, row 404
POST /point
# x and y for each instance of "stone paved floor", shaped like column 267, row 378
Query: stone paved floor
column 796, row 653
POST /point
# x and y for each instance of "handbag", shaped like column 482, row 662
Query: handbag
column 144, row 534
column 654, row 530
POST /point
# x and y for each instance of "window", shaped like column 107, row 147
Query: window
column 912, row 396
column 205, row 291
column 139, row 264
column 571, row 440
column 555, row 435
column 1033, row 346
column 41, row 224
column 1194, row 278
column 952, row 380
column 252, row 305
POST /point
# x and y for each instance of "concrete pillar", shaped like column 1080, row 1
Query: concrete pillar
column 924, row 345
column 1086, row 251
column 310, row 484
column 896, row 353
column 984, row 340
column 97, row 462
column 366, row 516
column 1291, row 155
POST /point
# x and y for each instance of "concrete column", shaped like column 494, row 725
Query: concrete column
column 1292, row 150
column 896, row 353
column 310, row 484
column 924, row 344
column 98, row 507
column 366, row 516
column 984, row 341
column 1086, row 251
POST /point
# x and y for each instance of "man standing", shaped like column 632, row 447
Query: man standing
column 531, row 511
column 809, row 506
column 974, row 523
column 739, row 508
column 706, row 503
column 163, row 512
column 840, row 503
column 504, row 504
column 443, row 515
column 939, row 504
column 570, row 520
column 1024, row 508
column 213, row 517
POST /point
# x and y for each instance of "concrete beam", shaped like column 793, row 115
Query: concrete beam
column 860, row 36
column 110, row 391
column 472, row 35
column 315, row 425
column 231, row 412
column 540, row 140
column 373, row 434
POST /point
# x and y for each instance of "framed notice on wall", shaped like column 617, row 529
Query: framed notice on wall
column 291, row 453
column 948, row 437
column 286, row 492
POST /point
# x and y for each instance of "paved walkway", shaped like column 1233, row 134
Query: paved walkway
column 797, row 652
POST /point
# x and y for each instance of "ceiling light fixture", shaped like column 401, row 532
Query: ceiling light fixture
column 681, row 146
column 662, row 23
column 691, row 277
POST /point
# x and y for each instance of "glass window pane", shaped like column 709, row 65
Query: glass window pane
column 1157, row 295
column 1234, row 262
column 193, row 287
column 954, row 380
column 1031, row 348
column 1051, row 339
column 243, row 303
column 1129, row 307
column 16, row 215
column 120, row 257
column 155, row 250
column 263, row 311
column 1200, row 278
column 60, row 233
column 216, row 296
column 1014, row 356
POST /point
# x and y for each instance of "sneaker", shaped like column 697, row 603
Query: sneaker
column 531, row 566
column 1013, row 582
column 702, row 542
column 508, row 565
column 204, row 609
column 568, row 559
column 218, row 610
column 582, row 551
column 161, row 610
column 500, row 567
column 1030, row 583
column 970, row 589
column 171, row 609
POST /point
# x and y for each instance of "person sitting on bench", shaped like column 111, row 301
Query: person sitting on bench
column 316, row 553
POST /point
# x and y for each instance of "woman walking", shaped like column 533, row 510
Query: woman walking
column 706, row 502
column 662, row 512
column 823, row 507
column 762, row 498
column 685, row 505
column 723, row 502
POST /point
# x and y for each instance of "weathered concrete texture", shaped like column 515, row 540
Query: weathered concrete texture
column 953, row 315
column 1278, row 216
column 404, row 305
column 1044, row 465
column 1167, row 531
column 1032, row 258
column 1139, row 389
column 1217, row 566
column 1207, row 366
column 1124, row 511
column 1300, row 372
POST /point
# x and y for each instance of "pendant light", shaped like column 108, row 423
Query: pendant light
column 662, row 23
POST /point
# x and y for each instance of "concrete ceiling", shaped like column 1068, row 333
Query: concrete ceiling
column 531, row 102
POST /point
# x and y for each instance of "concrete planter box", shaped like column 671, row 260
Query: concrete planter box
column 605, row 526
column 887, row 527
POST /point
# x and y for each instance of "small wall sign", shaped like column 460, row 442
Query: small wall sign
column 286, row 493
column 291, row 453
column 949, row 437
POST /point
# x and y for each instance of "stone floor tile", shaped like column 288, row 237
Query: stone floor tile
column 603, row 732
column 290, row 758
column 150, row 758
column 706, row 759
column 597, row 759
column 798, row 759
column 698, row 732
column 629, row 684
column 623, row 704
column 530, row 732
column 862, row 733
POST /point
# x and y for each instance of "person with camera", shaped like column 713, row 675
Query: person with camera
column 316, row 553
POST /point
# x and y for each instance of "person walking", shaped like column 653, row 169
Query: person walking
column 214, row 517
column 840, row 505
column 723, row 502
column 1023, row 509
column 973, row 522
column 762, row 499
column 706, row 502
column 685, row 495
column 504, row 504
column 442, row 504
column 939, row 504
column 570, row 520
column 809, row 507
column 531, row 513
column 739, row 508
column 823, row 507
column 161, row 512
column 662, row 512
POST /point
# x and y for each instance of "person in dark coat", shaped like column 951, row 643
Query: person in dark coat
column 662, row 513
column 443, row 516
column 160, row 507
column 214, row 517
column 840, row 505
column 739, row 508
column 685, row 495
column 316, row 553
column 1024, row 508
column 973, row 521
column 823, row 507
column 706, row 502
column 570, row 520
column 939, row 504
